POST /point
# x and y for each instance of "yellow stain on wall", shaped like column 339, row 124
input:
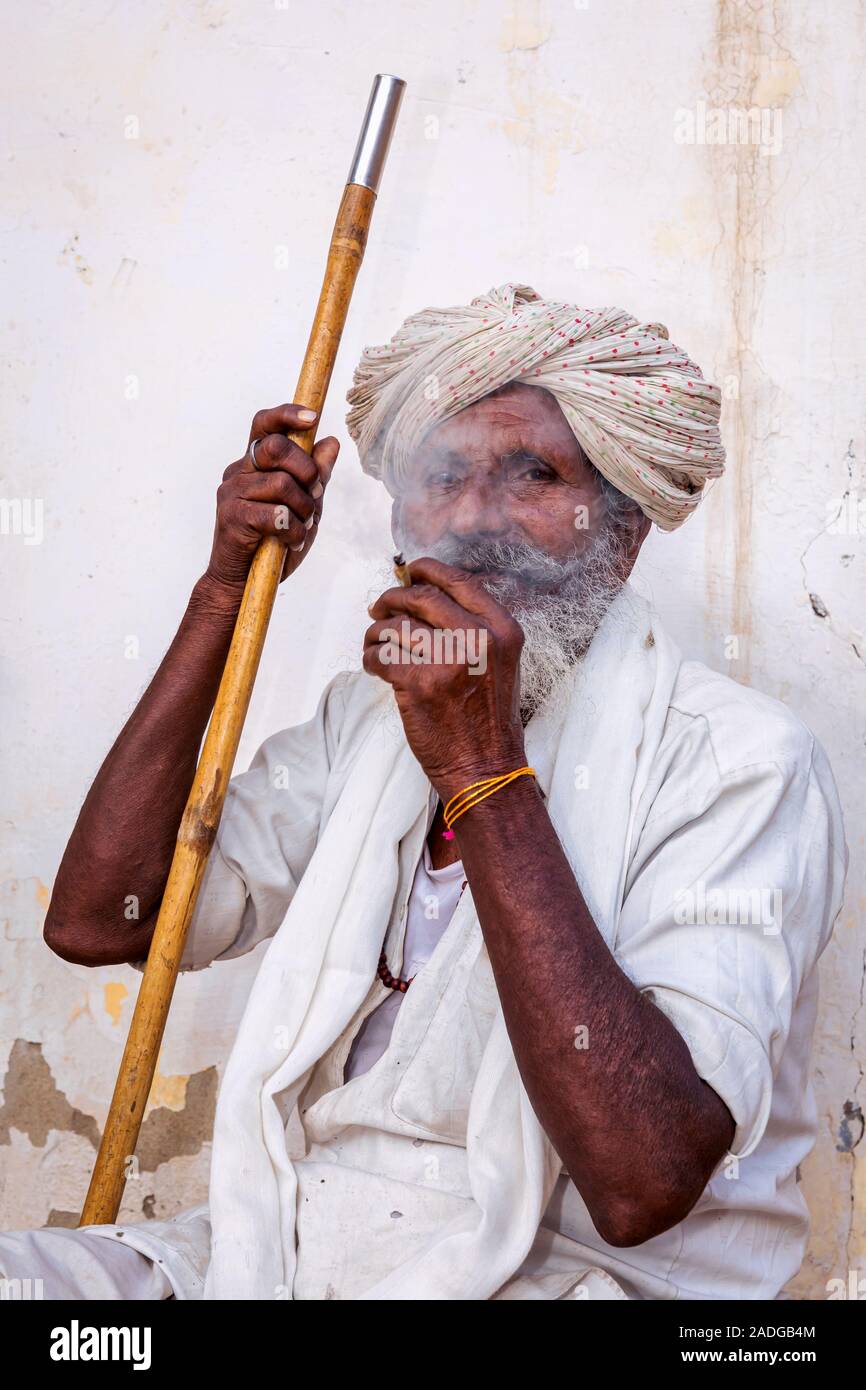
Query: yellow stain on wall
column 169, row 1091
column 557, row 133
column 77, row 1011
column 43, row 894
column 777, row 82
column 114, row 994
column 524, row 28
column 690, row 235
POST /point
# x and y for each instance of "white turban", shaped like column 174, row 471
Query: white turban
column 637, row 405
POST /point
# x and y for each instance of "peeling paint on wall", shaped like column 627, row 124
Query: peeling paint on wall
column 850, row 1127
column 33, row 1104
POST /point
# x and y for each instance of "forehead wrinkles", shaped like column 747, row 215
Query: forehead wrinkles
column 496, row 415
column 495, row 427
column 489, row 439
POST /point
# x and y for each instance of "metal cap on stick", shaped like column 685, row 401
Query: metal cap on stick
column 380, row 119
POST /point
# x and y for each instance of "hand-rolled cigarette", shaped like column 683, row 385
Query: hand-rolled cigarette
column 401, row 569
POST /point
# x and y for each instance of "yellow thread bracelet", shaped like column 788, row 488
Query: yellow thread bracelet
column 479, row 791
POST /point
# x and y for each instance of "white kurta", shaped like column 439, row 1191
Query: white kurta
column 735, row 874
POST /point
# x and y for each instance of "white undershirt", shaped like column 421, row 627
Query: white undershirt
column 434, row 896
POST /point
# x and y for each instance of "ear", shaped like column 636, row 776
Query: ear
column 641, row 531
column 638, row 530
column 396, row 518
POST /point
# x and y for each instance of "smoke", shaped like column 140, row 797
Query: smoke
column 558, row 603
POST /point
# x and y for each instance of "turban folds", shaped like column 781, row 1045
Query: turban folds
column 637, row 405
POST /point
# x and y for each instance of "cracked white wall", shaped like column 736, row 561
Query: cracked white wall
column 172, row 175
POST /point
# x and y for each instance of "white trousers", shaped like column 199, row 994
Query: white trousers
column 61, row 1264
column 127, row 1261
column 150, row 1260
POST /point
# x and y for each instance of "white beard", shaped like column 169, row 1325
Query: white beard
column 558, row 603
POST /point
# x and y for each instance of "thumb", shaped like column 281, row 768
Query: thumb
column 324, row 456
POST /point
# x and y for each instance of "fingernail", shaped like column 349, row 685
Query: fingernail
column 298, row 547
column 316, row 490
column 305, row 414
column 308, row 523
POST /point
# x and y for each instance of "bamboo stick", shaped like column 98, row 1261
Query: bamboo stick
column 204, row 806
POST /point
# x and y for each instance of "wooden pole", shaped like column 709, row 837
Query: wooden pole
column 204, row 806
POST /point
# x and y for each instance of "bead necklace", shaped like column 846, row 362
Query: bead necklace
column 394, row 981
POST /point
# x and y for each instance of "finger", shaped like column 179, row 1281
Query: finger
column 275, row 451
column 425, row 602
column 277, row 487
column 402, row 630
column 296, row 464
column 392, row 649
column 270, row 457
column 463, row 586
column 324, row 456
column 415, row 640
column 279, row 419
column 374, row 666
column 265, row 519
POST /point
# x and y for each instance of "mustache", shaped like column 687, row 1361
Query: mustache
column 518, row 560
column 512, row 570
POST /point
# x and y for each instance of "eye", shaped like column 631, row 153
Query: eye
column 441, row 477
column 526, row 467
column 538, row 472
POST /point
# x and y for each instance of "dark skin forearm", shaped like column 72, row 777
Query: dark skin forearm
column 123, row 841
column 110, row 882
column 637, row 1129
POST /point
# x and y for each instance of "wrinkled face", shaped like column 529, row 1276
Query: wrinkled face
column 504, row 489
column 507, row 468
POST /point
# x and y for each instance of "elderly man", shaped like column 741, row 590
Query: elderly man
column 546, row 900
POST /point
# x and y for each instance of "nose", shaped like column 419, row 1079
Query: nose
column 479, row 510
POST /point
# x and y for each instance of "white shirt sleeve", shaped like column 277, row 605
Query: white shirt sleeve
column 266, row 837
column 733, row 892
